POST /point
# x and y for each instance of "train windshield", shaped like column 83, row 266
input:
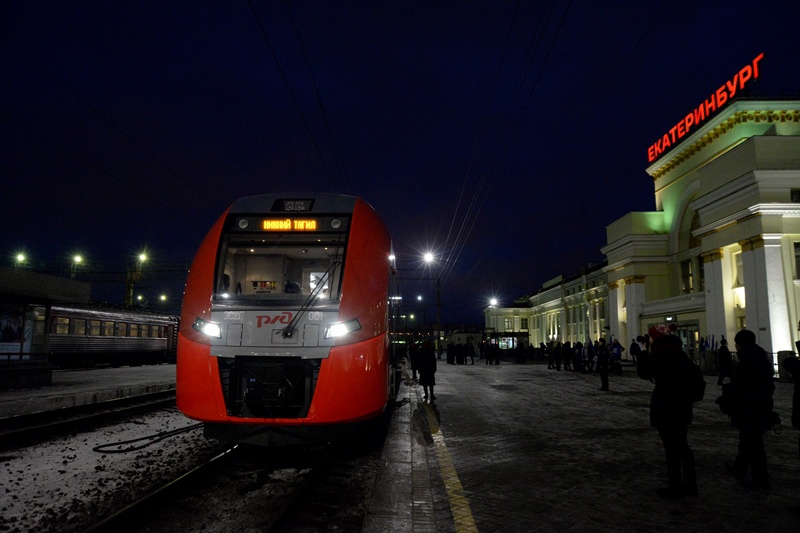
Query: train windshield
column 281, row 268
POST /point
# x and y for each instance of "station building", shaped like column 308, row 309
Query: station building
column 721, row 252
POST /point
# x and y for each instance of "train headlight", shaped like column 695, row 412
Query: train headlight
column 211, row 329
column 342, row 328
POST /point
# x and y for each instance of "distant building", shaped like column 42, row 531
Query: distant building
column 721, row 252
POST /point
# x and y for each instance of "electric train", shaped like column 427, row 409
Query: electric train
column 284, row 327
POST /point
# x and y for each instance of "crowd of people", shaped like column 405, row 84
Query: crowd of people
column 678, row 383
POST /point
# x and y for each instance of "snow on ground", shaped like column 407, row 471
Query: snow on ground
column 64, row 485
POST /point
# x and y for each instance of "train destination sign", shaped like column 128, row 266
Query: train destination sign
column 289, row 224
column 713, row 103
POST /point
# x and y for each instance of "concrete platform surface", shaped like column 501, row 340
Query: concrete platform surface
column 72, row 388
column 522, row 448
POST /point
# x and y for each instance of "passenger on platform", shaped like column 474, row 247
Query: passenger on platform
column 635, row 350
column 566, row 352
column 792, row 365
column 602, row 355
column 427, row 369
column 548, row 351
column 519, row 353
column 668, row 366
column 470, row 352
column 750, row 392
column 725, row 361
column 558, row 355
column 616, row 356
column 577, row 357
column 413, row 355
column 496, row 354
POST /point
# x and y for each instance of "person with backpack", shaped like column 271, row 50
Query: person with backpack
column 668, row 366
column 750, row 404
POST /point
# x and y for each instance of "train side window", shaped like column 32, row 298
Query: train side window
column 144, row 331
column 61, row 326
column 79, row 326
column 122, row 329
column 108, row 328
column 155, row 332
column 94, row 328
column 133, row 330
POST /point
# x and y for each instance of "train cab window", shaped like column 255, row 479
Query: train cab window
column 79, row 326
column 133, row 330
column 108, row 328
column 289, row 267
column 94, row 328
column 61, row 326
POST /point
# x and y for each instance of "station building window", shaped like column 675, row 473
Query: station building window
column 523, row 323
column 686, row 277
column 797, row 260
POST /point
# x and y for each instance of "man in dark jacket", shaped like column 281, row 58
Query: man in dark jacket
column 751, row 389
column 668, row 366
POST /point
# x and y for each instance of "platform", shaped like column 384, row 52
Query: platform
column 72, row 388
column 523, row 448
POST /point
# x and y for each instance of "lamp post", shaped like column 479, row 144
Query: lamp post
column 429, row 259
column 132, row 276
column 77, row 260
column 19, row 260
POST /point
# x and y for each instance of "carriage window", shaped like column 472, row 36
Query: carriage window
column 122, row 329
column 108, row 328
column 144, row 330
column 281, row 267
column 79, row 326
column 94, row 328
column 155, row 332
column 61, row 326
column 133, row 330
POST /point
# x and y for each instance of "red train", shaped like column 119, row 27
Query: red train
column 284, row 328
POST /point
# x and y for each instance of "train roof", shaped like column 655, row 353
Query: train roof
column 112, row 313
column 295, row 203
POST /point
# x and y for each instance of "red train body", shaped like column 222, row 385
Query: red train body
column 284, row 327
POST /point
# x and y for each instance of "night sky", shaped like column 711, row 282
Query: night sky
column 504, row 136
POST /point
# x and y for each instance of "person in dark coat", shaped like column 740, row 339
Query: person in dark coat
column 602, row 363
column 751, row 389
column 413, row 355
column 725, row 361
column 427, row 369
column 792, row 365
column 668, row 366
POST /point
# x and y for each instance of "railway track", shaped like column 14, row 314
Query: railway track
column 26, row 429
column 299, row 489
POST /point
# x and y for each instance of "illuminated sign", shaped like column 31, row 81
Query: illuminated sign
column 292, row 205
column 712, row 104
column 289, row 224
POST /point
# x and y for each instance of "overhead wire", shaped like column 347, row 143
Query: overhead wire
column 470, row 218
column 292, row 94
column 336, row 152
column 294, row 97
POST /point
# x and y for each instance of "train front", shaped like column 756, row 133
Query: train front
column 284, row 322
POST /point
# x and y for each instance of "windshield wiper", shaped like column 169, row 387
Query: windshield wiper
column 289, row 330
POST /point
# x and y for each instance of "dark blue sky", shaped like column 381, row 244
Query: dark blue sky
column 504, row 135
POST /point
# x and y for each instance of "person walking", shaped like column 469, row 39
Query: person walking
column 750, row 392
column 413, row 355
column 427, row 369
column 602, row 356
column 635, row 350
column 725, row 361
column 668, row 366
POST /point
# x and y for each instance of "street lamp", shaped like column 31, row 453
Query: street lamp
column 133, row 276
column 77, row 260
column 493, row 302
column 20, row 260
